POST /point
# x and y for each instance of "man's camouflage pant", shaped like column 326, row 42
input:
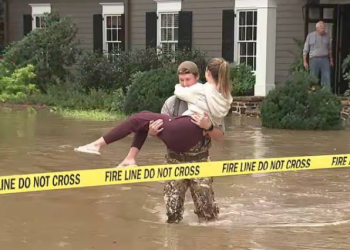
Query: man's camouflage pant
column 202, row 194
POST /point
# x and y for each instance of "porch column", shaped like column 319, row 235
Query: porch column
column 265, row 43
column 266, row 48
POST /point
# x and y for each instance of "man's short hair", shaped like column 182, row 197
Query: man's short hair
column 319, row 23
column 188, row 67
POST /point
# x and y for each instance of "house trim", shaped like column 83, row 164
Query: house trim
column 265, row 42
column 256, row 4
column 168, row 5
column 112, row 8
column 40, row 8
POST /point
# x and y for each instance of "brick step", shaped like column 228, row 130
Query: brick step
column 250, row 106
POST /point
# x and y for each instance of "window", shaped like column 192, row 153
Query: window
column 112, row 28
column 38, row 11
column 247, row 37
column 112, row 34
column 168, row 25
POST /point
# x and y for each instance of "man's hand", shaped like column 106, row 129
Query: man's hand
column 201, row 121
column 331, row 62
column 154, row 127
column 306, row 65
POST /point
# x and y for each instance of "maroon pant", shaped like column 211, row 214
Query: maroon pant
column 179, row 134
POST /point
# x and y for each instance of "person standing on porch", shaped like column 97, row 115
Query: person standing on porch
column 318, row 47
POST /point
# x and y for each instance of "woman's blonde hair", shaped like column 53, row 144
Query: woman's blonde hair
column 220, row 71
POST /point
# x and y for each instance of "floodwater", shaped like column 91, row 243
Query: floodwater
column 292, row 210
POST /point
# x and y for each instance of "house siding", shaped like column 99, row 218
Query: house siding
column 138, row 11
column 290, row 26
column 207, row 23
column 81, row 11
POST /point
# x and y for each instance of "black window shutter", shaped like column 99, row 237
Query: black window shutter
column 97, row 33
column 122, row 33
column 27, row 24
column 228, row 25
column 185, row 30
column 151, row 29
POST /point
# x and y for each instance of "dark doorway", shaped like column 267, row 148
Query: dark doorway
column 2, row 26
column 342, row 49
column 337, row 19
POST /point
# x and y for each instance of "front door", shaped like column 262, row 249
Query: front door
column 342, row 47
column 328, row 13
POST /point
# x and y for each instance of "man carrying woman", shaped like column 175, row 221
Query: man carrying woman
column 187, row 137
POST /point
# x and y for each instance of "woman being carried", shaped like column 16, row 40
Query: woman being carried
column 180, row 133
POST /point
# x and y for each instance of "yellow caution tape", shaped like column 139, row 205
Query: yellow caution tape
column 113, row 176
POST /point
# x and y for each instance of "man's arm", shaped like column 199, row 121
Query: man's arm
column 306, row 49
column 218, row 133
column 187, row 94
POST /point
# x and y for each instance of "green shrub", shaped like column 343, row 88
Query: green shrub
column 243, row 80
column 346, row 73
column 139, row 60
column 95, row 71
column 150, row 89
column 298, row 64
column 52, row 50
column 71, row 95
column 301, row 104
column 18, row 85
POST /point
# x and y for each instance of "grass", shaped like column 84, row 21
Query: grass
column 93, row 115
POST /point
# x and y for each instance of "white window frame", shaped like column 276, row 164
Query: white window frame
column 166, row 7
column 110, row 9
column 38, row 10
column 266, row 42
column 238, row 41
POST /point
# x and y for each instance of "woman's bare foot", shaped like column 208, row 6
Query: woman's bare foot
column 93, row 147
column 127, row 163
column 129, row 160
column 89, row 148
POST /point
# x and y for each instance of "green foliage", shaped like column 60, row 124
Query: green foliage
column 149, row 90
column 96, row 71
column 18, row 85
column 346, row 73
column 72, row 96
column 51, row 50
column 243, row 80
column 301, row 104
column 298, row 65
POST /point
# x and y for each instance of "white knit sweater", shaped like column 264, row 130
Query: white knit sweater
column 203, row 98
